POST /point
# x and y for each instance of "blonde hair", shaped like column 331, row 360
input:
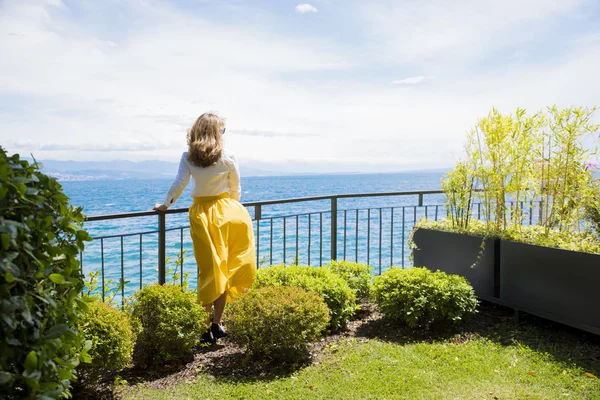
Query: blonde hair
column 205, row 140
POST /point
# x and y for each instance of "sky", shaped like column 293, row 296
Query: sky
column 333, row 85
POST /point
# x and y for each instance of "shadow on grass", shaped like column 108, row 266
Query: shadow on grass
column 497, row 324
column 224, row 363
column 108, row 385
column 237, row 367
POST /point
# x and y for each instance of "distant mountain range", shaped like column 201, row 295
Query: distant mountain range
column 123, row 169
column 120, row 169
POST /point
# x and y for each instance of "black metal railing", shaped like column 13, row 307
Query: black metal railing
column 371, row 228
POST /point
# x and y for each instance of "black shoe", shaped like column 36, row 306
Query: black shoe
column 217, row 331
column 207, row 337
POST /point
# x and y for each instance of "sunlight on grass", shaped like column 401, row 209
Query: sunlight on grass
column 476, row 368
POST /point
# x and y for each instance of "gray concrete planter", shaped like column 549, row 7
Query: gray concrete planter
column 556, row 284
column 455, row 253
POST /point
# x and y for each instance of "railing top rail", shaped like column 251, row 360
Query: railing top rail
column 270, row 202
column 342, row 196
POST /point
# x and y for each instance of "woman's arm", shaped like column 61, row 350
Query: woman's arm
column 235, row 188
column 181, row 181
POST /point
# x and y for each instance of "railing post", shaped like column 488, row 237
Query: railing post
column 257, row 212
column 420, row 199
column 162, row 246
column 334, row 228
column 258, row 217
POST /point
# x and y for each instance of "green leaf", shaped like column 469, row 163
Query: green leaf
column 9, row 278
column 82, row 303
column 57, row 278
column 21, row 187
column 57, row 331
column 5, row 378
column 27, row 315
column 86, row 358
column 83, row 235
column 31, row 361
column 64, row 373
column 5, row 237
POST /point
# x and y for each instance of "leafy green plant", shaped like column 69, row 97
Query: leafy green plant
column 274, row 320
column 172, row 323
column 513, row 163
column 263, row 261
column 40, row 284
column 358, row 276
column 338, row 296
column 420, row 297
column 563, row 181
column 110, row 290
column 459, row 186
column 119, row 384
column 112, row 338
column 178, row 277
column 500, row 152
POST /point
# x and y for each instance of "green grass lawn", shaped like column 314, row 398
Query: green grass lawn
column 500, row 361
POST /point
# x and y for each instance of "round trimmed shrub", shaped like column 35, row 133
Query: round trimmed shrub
column 41, row 236
column 275, row 319
column 172, row 323
column 358, row 276
column 419, row 297
column 338, row 296
column 112, row 339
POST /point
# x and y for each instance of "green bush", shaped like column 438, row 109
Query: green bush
column 112, row 338
column 337, row 294
column 275, row 319
column 358, row 276
column 40, row 283
column 419, row 297
column 172, row 323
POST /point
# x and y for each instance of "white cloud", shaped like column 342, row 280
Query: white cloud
column 439, row 31
column 67, row 85
column 412, row 80
column 151, row 85
column 306, row 8
column 56, row 3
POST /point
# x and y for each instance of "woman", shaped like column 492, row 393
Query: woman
column 220, row 226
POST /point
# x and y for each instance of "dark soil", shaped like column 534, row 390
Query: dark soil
column 226, row 361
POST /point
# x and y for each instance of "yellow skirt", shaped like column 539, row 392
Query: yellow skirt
column 223, row 239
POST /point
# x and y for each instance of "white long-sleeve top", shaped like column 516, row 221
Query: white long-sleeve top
column 210, row 181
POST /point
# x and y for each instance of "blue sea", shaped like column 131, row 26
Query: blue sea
column 373, row 230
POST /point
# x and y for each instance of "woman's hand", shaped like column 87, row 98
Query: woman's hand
column 160, row 207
